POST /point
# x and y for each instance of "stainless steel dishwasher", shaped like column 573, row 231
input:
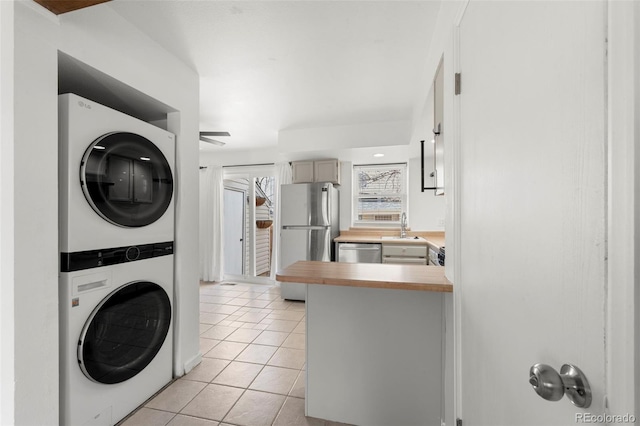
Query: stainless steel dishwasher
column 360, row 252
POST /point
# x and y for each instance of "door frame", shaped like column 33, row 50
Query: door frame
column 456, row 159
column 623, row 222
column 251, row 172
column 622, row 118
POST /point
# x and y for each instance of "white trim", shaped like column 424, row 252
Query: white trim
column 246, row 279
column 461, row 12
column 191, row 363
column 7, row 222
column 621, row 368
column 456, row 197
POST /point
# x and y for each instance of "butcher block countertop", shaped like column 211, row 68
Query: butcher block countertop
column 435, row 239
column 372, row 275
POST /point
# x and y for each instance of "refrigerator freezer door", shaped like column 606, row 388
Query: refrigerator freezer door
column 306, row 204
column 302, row 243
column 305, row 243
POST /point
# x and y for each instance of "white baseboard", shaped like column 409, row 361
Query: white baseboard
column 242, row 279
column 192, row 363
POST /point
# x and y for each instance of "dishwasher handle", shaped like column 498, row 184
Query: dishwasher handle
column 360, row 248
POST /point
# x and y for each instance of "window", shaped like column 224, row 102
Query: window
column 379, row 194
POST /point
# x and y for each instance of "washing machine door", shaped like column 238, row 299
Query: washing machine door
column 124, row 332
column 126, row 179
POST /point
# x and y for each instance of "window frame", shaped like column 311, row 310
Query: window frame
column 356, row 195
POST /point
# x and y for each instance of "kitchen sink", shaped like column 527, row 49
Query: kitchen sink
column 403, row 238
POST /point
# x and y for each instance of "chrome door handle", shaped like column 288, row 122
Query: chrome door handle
column 553, row 386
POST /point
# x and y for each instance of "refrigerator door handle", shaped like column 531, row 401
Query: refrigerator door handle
column 325, row 205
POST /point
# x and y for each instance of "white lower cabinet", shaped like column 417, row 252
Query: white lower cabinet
column 404, row 260
column 374, row 356
column 403, row 255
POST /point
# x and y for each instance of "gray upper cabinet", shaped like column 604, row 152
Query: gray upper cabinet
column 302, row 171
column 316, row 171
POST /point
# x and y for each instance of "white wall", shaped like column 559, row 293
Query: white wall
column 36, row 219
column 363, row 135
column 100, row 38
column 441, row 47
column 426, row 211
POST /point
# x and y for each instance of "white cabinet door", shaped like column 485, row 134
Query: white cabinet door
column 532, row 141
column 302, row 171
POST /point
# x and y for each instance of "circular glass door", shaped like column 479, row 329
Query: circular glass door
column 124, row 332
column 126, row 179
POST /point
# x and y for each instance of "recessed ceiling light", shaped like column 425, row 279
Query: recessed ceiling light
column 433, row 141
column 378, row 155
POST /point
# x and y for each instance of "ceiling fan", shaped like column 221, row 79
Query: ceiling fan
column 204, row 137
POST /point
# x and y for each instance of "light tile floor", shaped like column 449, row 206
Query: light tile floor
column 252, row 370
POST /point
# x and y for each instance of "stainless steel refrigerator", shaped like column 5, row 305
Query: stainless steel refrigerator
column 310, row 218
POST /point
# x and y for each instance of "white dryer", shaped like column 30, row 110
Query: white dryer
column 116, row 338
column 116, row 178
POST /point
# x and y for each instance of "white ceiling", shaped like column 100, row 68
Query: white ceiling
column 266, row 66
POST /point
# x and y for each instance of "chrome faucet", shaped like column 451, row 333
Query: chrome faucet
column 403, row 225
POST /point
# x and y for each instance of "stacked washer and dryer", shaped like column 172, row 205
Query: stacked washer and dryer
column 116, row 187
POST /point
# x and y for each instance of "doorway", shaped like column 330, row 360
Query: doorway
column 249, row 212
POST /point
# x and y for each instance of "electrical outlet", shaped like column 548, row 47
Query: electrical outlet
column 441, row 223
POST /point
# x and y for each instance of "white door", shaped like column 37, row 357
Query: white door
column 233, row 232
column 530, row 276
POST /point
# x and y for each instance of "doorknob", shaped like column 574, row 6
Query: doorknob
column 552, row 386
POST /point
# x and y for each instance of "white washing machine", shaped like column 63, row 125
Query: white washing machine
column 116, row 178
column 116, row 339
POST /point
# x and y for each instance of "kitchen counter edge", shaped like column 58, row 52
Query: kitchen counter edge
column 370, row 275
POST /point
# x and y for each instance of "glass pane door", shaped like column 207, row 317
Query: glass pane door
column 126, row 179
column 124, row 333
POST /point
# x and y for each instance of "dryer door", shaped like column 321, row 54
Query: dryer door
column 126, row 179
column 124, row 332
